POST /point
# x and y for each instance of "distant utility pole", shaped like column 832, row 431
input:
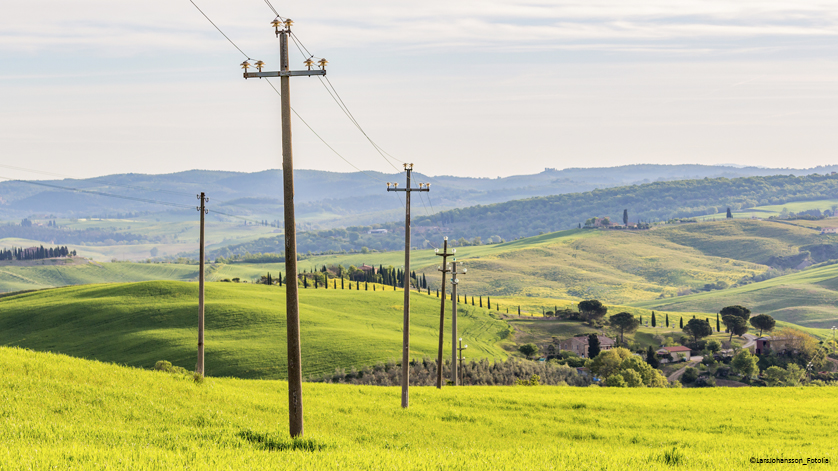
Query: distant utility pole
column 408, row 168
column 199, row 367
column 454, row 337
column 292, row 304
column 444, row 269
column 461, row 359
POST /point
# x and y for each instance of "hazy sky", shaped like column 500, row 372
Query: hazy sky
column 472, row 88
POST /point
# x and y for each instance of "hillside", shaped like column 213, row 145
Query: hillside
column 658, row 201
column 328, row 195
column 808, row 298
column 64, row 412
column 615, row 266
column 138, row 324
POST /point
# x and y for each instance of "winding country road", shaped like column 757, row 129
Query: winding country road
column 692, row 362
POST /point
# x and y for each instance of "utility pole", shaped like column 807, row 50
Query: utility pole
column 454, row 336
column 408, row 168
column 292, row 304
column 461, row 359
column 444, row 269
column 199, row 367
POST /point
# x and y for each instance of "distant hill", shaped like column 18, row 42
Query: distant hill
column 659, row 201
column 328, row 198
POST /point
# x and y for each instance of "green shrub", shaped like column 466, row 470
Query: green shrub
column 690, row 375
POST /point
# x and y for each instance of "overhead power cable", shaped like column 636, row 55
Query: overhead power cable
column 100, row 193
column 101, row 179
column 219, row 30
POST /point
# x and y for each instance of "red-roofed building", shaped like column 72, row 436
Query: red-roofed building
column 674, row 353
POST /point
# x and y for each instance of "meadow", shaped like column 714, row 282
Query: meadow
column 65, row 412
column 808, row 298
column 137, row 324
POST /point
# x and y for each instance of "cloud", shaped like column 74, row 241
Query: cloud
column 124, row 28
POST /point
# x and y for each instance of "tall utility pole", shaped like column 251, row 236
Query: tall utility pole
column 408, row 169
column 454, row 336
column 199, row 367
column 292, row 304
column 444, row 269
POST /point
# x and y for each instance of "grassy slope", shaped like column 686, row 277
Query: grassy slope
column 64, row 412
column 140, row 323
column 808, row 298
column 615, row 266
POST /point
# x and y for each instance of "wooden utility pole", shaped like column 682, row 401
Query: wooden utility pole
column 199, row 367
column 444, row 269
column 408, row 168
column 454, row 335
column 292, row 304
column 461, row 359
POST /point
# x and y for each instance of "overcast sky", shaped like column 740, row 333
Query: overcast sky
column 471, row 88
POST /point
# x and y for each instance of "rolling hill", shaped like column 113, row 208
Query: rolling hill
column 808, row 298
column 137, row 324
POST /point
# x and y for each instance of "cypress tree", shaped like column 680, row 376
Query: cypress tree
column 373, row 287
column 519, row 311
column 654, row 321
column 437, row 293
column 335, row 284
column 305, row 282
column 316, row 283
column 481, row 301
column 280, row 279
column 341, row 282
column 641, row 320
column 682, row 323
column 667, row 319
column 472, row 300
column 366, row 286
column 718, row 326
column 357, row 285
column 488, row 303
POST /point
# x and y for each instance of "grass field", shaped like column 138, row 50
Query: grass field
column 808, row 298
column 62, row 412
column 139, row 323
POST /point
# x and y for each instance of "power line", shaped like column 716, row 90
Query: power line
column 219, row 30
column 100, row 193
column 111, row 183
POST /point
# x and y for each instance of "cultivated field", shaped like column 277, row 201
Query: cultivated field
column 65, row 412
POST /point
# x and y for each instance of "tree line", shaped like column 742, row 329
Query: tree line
column 36, row 253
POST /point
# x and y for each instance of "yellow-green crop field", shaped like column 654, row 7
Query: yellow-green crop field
column 60, row 412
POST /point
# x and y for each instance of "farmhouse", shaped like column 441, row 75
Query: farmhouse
column 766, row 345
column 579, row 345
column 377, row 231
column 829, row 230
column 674, row 353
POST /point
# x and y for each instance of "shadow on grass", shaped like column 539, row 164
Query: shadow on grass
column 273, row 442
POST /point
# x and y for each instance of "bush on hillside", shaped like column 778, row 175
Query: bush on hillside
column 481, row 373
column 690, row 375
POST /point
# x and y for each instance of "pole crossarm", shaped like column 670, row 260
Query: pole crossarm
column 288, row 73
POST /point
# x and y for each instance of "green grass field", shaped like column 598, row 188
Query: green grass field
column 808, row 298
column 139, row 323
column 62, row 412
